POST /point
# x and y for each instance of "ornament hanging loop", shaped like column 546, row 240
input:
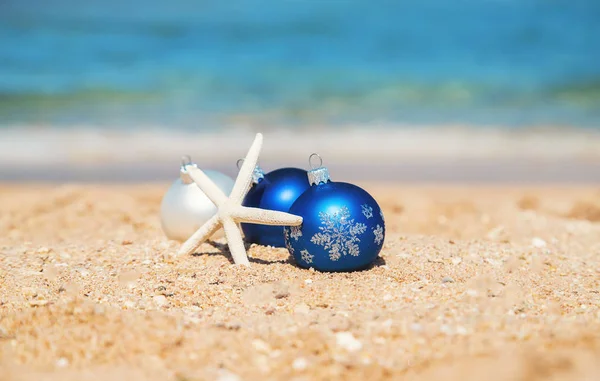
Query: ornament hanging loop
column 311, row 163
column 317, row 174
column 239, row 163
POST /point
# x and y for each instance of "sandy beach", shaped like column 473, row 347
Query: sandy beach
column 473, row 283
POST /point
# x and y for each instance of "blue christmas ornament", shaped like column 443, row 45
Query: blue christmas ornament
column 343, row 227
column 276, row 190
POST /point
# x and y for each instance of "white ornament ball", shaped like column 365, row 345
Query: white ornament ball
column 185, row 208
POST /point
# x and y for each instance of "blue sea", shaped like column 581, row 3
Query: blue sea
column 209, row 64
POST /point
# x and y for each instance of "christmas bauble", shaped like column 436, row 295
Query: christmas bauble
column 185, row 207
column 343, row 227
column 276, row 190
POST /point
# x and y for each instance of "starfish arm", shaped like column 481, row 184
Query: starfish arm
column 201, row 235
column 244, row 178
column 265, row 217
column 207, row 186
column 235, row 242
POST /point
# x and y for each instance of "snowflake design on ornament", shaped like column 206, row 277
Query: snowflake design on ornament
column 306, row 256
column 381, row 214
column 378, row 232
column 286, row 236
column 367, row 211
column 339, row 234
column 295, row 233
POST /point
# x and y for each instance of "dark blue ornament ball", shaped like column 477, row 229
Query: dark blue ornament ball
column 343, row 228
column 276, row 191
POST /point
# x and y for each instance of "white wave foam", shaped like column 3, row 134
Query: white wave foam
column 51, row 146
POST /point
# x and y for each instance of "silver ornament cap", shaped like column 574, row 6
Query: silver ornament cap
column 186, row 162
column 257, row 175
column 318, row 174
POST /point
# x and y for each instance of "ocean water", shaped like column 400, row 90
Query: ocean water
column 208, row 64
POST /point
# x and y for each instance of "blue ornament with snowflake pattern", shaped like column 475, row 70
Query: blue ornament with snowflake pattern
column 343, row 227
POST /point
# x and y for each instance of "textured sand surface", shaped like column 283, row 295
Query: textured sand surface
column 473, row 284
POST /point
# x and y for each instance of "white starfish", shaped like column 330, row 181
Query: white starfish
column 230, row 210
